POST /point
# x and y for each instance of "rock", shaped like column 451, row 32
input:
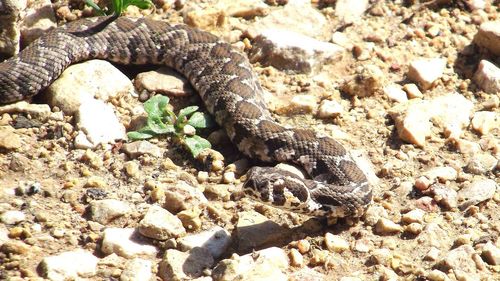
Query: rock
column 267, row 264
column 10, row 35
column 177, row 265
column 288, row 50
column 445, row 196
column 40, row 112
column 437, row 275
column 395, row 93
column 301, row 104
column 487, row 76
column 374, row 213
column 450, row 112
column 386, row 226
column 296, row 16
column 138, row 148
column 160, row 224
column 245, row 8
column 69, row 265
column 137, row 270
column 488, row 36
column 460, row 259
column 367, row 81
column 206, row 19
column 329, row 109
column 491, row 254
column 467, row 147
column 104, row 211
column 11, row 246
column 84, row 81
column 99, row 122
column 165, row 81
column 183, row 196
column 38, row 18
column 432, row 254
column 296, row 258
column 131, row 168
column 309, row 274
column 9, row 140
column 254, row 230
column 434, row 235
column 477, row 192
column 381, row 256
column 125, row 242
column 190, row 218
column 350, row 11
column 412, row 91
column 216, row 240
column 484, row 121
column 426, row 71
column 481, row 164
column 441, row 174
column 416, row 215
column 335, row 243
column 12, row 217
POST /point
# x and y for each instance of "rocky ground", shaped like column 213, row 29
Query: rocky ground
column 412, row 88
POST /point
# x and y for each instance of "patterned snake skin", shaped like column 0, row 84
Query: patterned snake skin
column 231, row 92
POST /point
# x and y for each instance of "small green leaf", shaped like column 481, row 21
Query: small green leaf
column 201, row 120
column 156, row 106
column 141, row 4
column 156, row 125
column 196, row 144
column 135, row 135
column 185, row 112
column 95, row 7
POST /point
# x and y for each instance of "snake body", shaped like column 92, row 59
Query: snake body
column 231, row 92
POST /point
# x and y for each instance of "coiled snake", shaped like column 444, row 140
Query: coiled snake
column 231, row 92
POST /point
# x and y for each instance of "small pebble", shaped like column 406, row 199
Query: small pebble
column 385, row 226
column 335, row 243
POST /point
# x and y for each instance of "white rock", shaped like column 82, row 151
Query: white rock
column 38, row 111
column 335, row 243
column 38, row 18
column 329, row 109
column 477, row 192
column 487, row 76
column 368, row 80
column 484, row 121
column 412, row 91
column 177, row 265
column 165, row 81
column 488, row 36
column 69, row 265
column 216, row 240
column 395, row 93
column 350, row 11
column 385, row 226
column 303, row 104
column 426, row 71
column 182, row 196
column 104, row 211
column 460, row 259
column 441, row 173
column 245, row 8
column 288, row 50
column 432, row 254
column 437, row 275
column 467, row 147
column 160, row 224
column 476, row 4
column 137, row 270
column 491, row 253
column 99, row 122
column 83, row 81
column 125, row 242
column 416, row 215
column 12, row 217
column 138, row 148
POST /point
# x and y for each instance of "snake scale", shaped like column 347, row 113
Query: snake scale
column 231, row 92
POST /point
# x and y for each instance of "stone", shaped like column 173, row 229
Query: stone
column 484, row 121
column 416, row 215
column 131, row 168
column 487, row 76
column 97, row 120
column 395, row 93
column 329, row 109
column 84, row 81
column 467, row 147
column 445, row 196
column 137, row 270
column 291, row 51
column 412, row 91
column 126, row 242
column 245, row 8
column 138, row 148
column 302, row 104
column 309, row 274
column 38, row 18
column 40, row 112
column 266, row 264
column 350, row 11
column 491, row 254
column 367, row 81
column 296, row 258
column 9, row 140
column 441, row 174
column 69, row 265
column 488, row 36
column 182, row 196
column 16, row 247
column 481, row 164
column 106, row 210
column 335, row 243
column 381, row 256
column 177, row 265
column 374, row 213
column 160, row 224
column 190, row 218
column 12, row 217
column 476, row 192
column 10, row 34
column 164, row 81
column 432, row 254
column 216, row 240
column 254, row 230
column 386, row 226
column 426, row 71
column 460, row 259
column 206, row 19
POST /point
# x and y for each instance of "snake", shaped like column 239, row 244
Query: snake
column 223, row 76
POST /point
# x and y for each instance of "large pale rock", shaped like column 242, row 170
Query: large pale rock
column 426, row 71
column 137, row 270
column 104, row 211
column 165, row 81
column 245, row 8
column 484, row 121
column 69, row 266
column 126, row 242
column 288, row 50
column 9, row 140
column 177, row 265
column 38, row 18
column 488, row 36
column 182, row 196
column 477, row 192
column 487, row 77
column 349, row 11
column 160, row 224
column 216, row 240
column 12, row 217
column 84, row 81
column 39, row 112
column 367, row 80
column 460, row 259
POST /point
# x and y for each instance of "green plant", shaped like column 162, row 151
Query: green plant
column 119, row 6
column 182, row 127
